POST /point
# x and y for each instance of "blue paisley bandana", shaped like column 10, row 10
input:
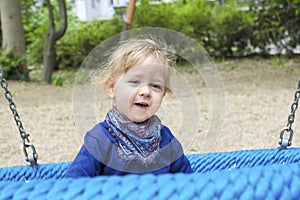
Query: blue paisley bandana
column 135, row 141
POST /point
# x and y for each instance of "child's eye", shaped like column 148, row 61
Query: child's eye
column 134, row 82
column 157, row 86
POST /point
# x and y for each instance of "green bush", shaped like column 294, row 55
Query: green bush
column 154, row 15
column 59, row 79
column 193, row 18
column 223, row 30
column 228, row 30
column 10, row 64
column 232, row 31
column 81, row 38
column 277, row 22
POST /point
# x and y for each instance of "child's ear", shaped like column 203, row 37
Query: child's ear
column 110, row 88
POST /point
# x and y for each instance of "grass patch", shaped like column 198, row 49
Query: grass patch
column 59, row 77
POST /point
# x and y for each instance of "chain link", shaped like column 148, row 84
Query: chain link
column 285, row 142
column 29, row 157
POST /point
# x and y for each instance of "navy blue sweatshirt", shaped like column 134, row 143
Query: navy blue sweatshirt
column 98, row 156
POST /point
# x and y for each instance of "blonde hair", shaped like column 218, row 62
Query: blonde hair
column 132, row 52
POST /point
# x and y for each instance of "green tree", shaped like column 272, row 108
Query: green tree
column 13, row 36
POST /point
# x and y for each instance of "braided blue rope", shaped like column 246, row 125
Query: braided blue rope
column 268, row 182
column 242, row 159
column 26, row 173
column 249, row 174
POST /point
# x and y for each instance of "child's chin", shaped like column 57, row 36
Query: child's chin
column 140, row 119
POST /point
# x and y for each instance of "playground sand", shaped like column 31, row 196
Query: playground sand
column 258, row 97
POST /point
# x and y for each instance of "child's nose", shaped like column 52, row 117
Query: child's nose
column 145, row 91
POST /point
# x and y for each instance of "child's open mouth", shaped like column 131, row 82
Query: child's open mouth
column 141, row 104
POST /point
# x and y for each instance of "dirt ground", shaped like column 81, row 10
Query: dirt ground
column 257, row 102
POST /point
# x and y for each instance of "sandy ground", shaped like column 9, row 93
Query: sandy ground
column 257, row 102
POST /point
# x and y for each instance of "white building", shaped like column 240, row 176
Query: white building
column 87, row 10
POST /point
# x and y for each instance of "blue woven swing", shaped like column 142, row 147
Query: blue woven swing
column 247, row 174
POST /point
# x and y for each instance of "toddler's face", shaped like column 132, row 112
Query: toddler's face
column 139, row 92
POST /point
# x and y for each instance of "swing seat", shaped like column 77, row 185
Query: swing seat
column 245, row 174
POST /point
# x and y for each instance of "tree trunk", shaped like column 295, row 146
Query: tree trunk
column 49, row 57
column 13, row 37
column 129, row 13
column 128, row 19
column 52, row 36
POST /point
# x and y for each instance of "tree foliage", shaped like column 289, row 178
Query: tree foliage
column 223, row 30
column 81, row 38
column 229, row 30
column 277, row 22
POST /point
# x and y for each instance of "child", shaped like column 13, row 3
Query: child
column 132, row 139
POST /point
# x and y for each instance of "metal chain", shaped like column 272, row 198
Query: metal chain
column 29, row 157
column 285, row 142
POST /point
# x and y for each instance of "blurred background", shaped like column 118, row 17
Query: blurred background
column 40, row 38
